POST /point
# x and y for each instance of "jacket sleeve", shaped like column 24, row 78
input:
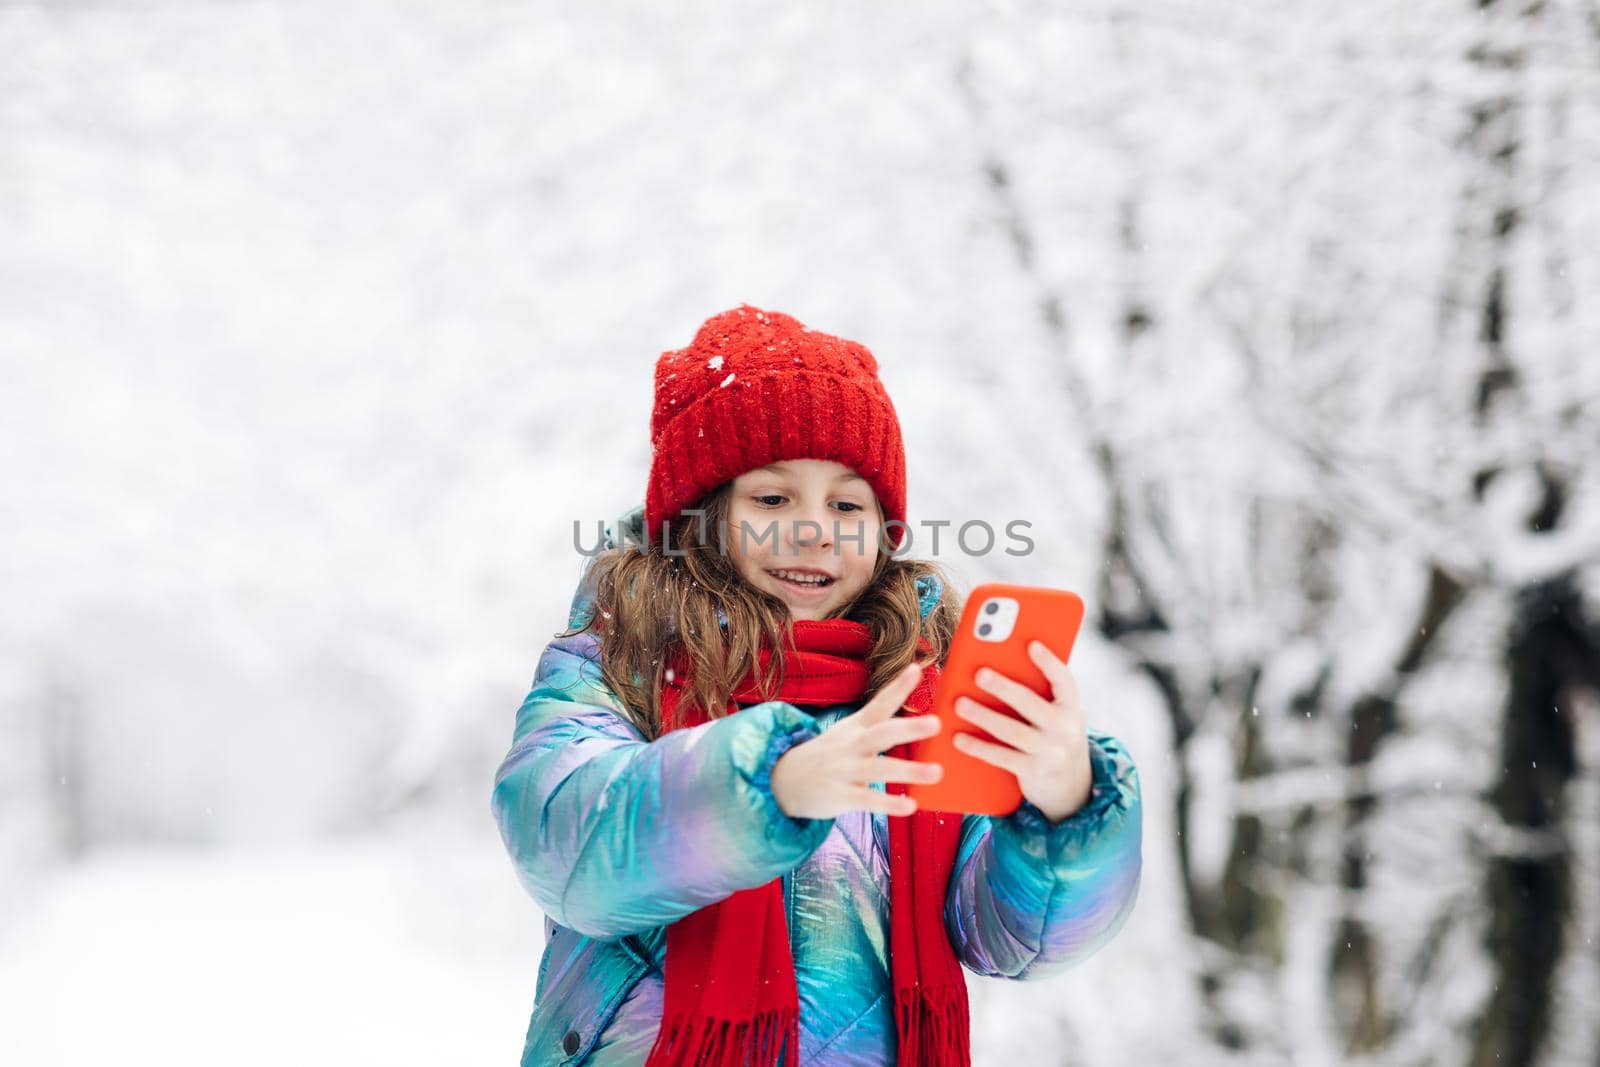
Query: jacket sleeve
column 613, row 835
column 1029, row 898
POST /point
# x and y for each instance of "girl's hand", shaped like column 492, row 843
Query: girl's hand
column 1048, row 750
column 829, row 774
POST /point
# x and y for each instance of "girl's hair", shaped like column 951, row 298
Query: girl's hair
column 647, row 604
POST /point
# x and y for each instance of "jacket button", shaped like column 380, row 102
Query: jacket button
column 570, row 1043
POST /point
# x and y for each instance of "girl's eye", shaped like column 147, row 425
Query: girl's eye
column 851, row 505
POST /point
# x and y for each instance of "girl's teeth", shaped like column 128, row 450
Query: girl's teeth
column 803, row 580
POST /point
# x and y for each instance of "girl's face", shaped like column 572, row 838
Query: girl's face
column 778, row 505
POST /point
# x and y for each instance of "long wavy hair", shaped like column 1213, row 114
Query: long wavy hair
column 649, row 604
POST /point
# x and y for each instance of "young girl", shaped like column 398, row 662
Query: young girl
column 728, row 867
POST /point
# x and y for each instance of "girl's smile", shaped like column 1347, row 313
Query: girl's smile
column 807, row 581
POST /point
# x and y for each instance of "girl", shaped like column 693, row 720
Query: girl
column 728, row 865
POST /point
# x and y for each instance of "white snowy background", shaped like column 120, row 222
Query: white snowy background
column 320, row 323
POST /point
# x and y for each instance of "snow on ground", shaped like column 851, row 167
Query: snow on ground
column 332, row 953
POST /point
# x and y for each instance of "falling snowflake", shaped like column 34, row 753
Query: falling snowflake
column 715, row 362
column 702, row 432
column 725, row 381
column 670, row 675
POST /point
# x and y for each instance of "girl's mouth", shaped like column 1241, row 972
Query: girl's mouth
column 801, row 582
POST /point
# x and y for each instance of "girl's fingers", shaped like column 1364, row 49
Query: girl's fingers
column 890, row 769
column 999, row 755
column 1055, row 671
column 1012, row 731
column 897, row 731
column 867, row 799
column 890, row 698
column 1030, row 705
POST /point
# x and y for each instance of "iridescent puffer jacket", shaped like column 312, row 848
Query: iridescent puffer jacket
column 616, row 838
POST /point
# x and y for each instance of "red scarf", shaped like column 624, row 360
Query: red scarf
column 731, row 997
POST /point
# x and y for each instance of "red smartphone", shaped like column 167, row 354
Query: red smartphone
column 997, row 623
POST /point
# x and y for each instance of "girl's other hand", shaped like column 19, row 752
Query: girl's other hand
column 832, row 772
column 1047, row 748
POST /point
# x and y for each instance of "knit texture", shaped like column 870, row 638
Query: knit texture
column 756, row 387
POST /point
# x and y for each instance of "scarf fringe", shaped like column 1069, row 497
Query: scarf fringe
column 933, row 1026
column 686, row 1041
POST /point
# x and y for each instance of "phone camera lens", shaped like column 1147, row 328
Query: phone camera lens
column 983, row 631
column 991, row 607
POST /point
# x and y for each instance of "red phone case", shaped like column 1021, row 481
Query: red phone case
column 971, row 785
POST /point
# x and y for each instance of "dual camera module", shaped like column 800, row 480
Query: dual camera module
column 996, row 618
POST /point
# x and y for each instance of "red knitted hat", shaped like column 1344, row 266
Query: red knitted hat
column 756, row 387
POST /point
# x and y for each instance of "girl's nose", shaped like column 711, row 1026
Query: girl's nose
column 809, row 528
